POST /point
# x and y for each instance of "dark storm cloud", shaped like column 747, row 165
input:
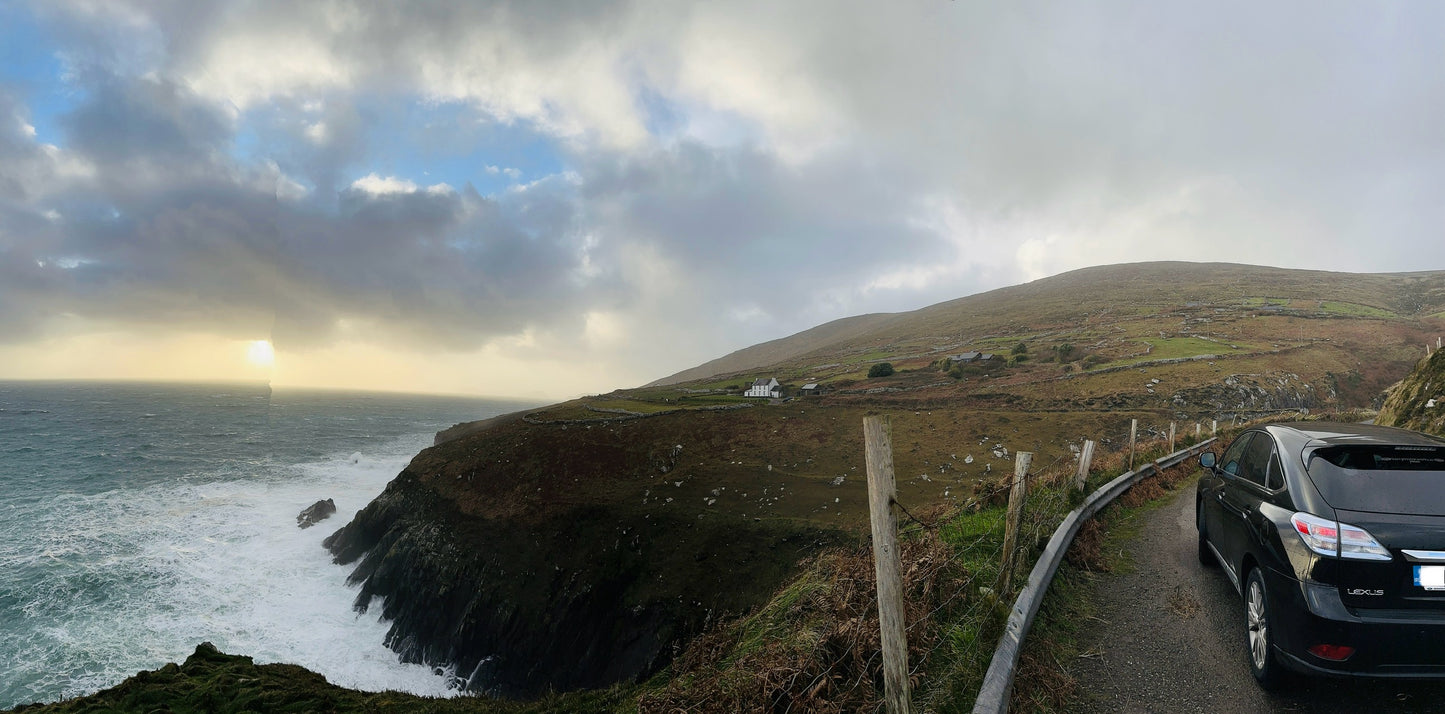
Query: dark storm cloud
column 163, row 228
column 145, row 122
column 749, row 226
column 449, row 268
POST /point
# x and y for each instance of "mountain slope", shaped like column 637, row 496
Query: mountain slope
column 1095, row 295
column 774, row 351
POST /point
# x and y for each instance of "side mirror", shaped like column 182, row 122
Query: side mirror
column 1207, row 459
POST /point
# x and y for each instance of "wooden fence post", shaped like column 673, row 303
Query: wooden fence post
column 1086, row 458
column 1133, row 434
column 1015, row 517
column 882, row 489
column 1171, row 437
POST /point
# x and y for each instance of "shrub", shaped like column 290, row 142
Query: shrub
column 882, row 369
column 1020, row 349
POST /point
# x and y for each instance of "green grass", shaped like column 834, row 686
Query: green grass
column 692, row 400
column 1174, row 348
column 634, row 405
column 868, row 356
column 1354, row 310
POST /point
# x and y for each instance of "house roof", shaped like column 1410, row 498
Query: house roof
column 810, row 385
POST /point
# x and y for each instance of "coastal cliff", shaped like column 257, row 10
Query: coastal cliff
column 525, row 568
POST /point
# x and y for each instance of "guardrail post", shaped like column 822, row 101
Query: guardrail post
column 1171, row 437
column 1214, row 427
column 1015, row 517
column 881, row 492
column 1086, row 459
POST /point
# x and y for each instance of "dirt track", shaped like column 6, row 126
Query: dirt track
column 1171, row 639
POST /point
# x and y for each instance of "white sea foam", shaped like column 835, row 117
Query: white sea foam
column 144, row 575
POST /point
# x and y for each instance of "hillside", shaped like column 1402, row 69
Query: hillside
column 775, row 351
column 1110, row 309
column 1418, row 401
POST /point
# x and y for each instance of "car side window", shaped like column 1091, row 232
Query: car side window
column 1230, row 462
column 1275, row 480
column 1254, row 464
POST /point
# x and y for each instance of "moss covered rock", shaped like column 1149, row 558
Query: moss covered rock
column 1418, row 401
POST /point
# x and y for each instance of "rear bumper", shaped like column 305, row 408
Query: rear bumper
column 1389, row 644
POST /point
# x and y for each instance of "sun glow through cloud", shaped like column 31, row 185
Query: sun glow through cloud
column 261, row 354
column 643, row 187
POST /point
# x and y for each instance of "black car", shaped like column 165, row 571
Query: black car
column 1334, row 535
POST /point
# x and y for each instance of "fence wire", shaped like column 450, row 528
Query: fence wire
column 832, row 677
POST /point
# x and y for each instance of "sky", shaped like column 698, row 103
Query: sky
column 547, row 199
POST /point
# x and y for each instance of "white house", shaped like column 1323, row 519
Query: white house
column 765, row 388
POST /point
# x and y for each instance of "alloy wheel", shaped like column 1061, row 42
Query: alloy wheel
column 1258, row 626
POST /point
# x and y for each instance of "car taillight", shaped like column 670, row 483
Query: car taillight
column 1337, row 540
column 1338, row 653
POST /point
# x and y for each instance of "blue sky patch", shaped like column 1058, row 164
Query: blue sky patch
column 30, row 67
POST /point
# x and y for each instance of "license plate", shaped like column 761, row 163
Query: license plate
column 1430, row 577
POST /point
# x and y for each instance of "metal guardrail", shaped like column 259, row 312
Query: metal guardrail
column 993, row 696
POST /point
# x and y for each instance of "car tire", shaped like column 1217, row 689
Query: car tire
column 1259, row 637
column 1206, row 557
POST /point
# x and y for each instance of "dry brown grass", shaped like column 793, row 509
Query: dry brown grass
column 815, row 647
column 1042, row 685
column 1087, row 550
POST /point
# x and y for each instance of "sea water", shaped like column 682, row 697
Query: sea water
column 138, row 520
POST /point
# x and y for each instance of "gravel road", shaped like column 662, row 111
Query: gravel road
column 1171, row 638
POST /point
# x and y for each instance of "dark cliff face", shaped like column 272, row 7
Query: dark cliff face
column 521, row 596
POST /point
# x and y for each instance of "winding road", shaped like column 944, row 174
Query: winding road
column 1171, row 638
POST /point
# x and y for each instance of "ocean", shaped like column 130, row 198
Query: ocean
column 139, row 520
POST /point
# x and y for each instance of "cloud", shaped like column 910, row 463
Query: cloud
column 716, row 175
column 379, row 186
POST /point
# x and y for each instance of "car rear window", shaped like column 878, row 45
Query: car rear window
column 1391, row 458
column 1381, row 479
